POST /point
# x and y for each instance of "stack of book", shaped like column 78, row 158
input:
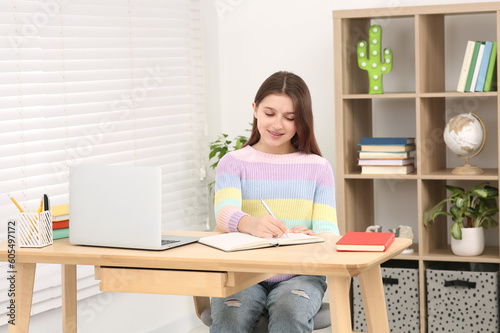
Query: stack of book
column 60, row 221
column 386, row 155
column 479, row 67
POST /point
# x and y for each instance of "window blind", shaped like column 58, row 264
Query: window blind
column 102, row 82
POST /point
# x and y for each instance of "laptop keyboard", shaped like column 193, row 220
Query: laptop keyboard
column 169, row 241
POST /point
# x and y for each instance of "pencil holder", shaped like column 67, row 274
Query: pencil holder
column 35, row 229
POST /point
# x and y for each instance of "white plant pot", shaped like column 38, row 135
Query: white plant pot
column 471, row 244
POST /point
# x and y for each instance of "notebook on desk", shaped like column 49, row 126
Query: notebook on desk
column 118, row 206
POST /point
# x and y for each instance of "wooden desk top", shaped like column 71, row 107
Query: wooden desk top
column 312, row 259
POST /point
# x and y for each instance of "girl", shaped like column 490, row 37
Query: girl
column 281, row 164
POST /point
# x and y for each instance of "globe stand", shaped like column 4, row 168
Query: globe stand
column 467, row 169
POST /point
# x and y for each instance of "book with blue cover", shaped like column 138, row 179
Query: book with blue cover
column 60, row 233
column 481, row 78
column 396, row 147
column 386, row 141
column 476, row 68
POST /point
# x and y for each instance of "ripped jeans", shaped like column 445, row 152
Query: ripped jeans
column 291, row 304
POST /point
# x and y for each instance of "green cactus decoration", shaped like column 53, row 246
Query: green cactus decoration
column 375, row 65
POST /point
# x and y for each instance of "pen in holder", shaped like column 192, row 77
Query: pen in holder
column 35, row 229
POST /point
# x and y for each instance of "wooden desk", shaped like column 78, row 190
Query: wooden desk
column 199, row 270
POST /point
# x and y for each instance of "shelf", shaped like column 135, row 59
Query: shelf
column 407, row 95
column 488, row 174
column 428, row 44
column 458, row 94
column 380, row 96
column 384, row 176
column 410, row 256
column 445, row 174
column 490, row 255
column 410, row 11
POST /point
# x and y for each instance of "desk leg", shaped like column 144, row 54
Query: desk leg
column 340, row 308
column 24, row 281
column 69, row 298
column 372, row 294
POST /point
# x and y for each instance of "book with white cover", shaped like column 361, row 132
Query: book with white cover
column 476, row 69
column 380, row 154
column 385, row 161
column 465, row 66
column 237, row 241
column 382, row 170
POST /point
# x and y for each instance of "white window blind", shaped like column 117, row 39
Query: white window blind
column 101, row 82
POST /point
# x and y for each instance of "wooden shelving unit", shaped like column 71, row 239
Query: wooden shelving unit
column 356, row 111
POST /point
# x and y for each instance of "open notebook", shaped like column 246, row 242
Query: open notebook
column 237, row 241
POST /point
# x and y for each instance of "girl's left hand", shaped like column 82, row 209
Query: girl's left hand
column 301, row 230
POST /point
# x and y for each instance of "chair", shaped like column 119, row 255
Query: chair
column 322, row 319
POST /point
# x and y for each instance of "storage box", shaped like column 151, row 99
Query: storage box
column 35, row 229
column 462, row 297
column 400, row 279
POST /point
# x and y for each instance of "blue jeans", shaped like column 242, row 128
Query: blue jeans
column 291, row 304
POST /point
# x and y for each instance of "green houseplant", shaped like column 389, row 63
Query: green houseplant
column 468, row 209
column 221, row 147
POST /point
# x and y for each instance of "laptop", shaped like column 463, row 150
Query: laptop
column 118, row 206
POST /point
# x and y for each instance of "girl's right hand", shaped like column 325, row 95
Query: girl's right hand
column 265, row 226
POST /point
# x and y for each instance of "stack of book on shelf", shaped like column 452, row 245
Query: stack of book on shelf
column 386, row 155
column 479, row 67
column 60, row 221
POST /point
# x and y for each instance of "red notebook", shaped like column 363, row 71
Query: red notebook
column 365, row 241
column 60, row 224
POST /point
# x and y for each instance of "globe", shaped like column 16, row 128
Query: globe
column 465, row 135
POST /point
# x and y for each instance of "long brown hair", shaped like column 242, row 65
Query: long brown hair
column 286, row 83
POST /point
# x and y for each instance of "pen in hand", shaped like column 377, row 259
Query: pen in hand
column 270, row 212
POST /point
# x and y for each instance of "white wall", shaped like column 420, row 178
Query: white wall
column 259, row 37
column 256, row 38
column 245, row 42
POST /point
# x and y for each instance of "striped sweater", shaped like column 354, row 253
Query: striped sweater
column 298, row 188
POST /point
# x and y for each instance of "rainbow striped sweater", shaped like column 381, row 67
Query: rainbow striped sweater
column 298, row 188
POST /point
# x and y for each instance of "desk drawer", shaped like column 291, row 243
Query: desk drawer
column 175, row 282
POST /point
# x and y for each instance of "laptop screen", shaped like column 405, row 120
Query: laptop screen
column 118, row 206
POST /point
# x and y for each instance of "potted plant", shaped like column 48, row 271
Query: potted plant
column 221, row 147
column 471, row 211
